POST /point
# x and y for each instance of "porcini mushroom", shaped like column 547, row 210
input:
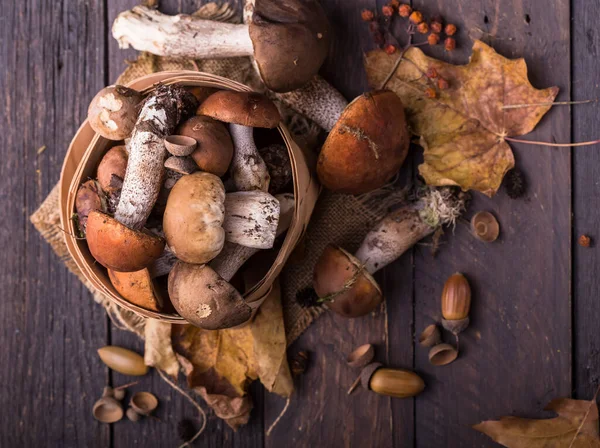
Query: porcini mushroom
column 367, row 145
column 244, row 110
column 205, row 299
column 193, row 219
column 288, row 39
column 251, row 218
column 345, row 281
column 233, row 256
column 111, row 169
column 113, row 112
column 138, row 288
column 214, row 148
column 182, row 165
column 89, row 197
column 119, row 243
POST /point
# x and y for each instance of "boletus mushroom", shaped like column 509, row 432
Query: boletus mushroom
column 204, row 298
column 289, row 39
column 244, row 111
column 89, row 197
column 193, row 219
column 120, row 242
column 345, row 282
column 114, row 111
column 138, row 288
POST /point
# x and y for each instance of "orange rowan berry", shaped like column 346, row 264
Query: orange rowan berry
column 431, row 73
column 430, row 92
column 442, row 84
column 404, row 10
column 449, row 44
column 390, row 49
column 436, row 26
column 433, row 39
column 387, row 11
column 416, row 17
column 450, row 29
column 367, row 15
column 423, row 28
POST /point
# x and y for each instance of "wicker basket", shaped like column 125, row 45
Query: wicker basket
column 86, row 150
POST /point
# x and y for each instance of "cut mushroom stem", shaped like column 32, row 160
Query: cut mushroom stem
column 345, row 281
column 288, row 39
column 251, row 218
column 248, row 169
column 233, row 256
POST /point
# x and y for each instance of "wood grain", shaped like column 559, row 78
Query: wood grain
column 516, row 355
column 51, row 57
column 586, row 190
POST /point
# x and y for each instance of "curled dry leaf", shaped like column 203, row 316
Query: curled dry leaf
column 220, row 365
column 463, row 128
column 576, row 427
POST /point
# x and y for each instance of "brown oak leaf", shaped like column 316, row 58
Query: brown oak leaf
column 564, row 431
column 463, row 128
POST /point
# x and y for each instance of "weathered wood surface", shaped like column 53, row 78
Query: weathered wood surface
column 515, row 357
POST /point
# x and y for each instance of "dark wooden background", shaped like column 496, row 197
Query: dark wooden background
column 535, row 314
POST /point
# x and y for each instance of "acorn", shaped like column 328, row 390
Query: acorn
column 485, row 227
column 119, row 394
column 122, row 360
column 456, row 302
column 397, row 383
column 360, row 357
column 430, row 336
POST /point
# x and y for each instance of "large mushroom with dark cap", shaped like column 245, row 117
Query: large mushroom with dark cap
column 289, row 39
column 120, row 243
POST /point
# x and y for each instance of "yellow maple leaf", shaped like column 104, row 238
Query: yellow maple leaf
column 463, row 129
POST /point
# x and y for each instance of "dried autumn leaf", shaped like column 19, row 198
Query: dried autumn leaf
column 561, row 431
column 220, row 365
column 463, row 129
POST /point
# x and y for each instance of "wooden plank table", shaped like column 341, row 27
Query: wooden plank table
column 535, row 313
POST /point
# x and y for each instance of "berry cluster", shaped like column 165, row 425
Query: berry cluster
column 434, row 28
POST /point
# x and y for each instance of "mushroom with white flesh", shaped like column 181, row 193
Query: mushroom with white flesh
column 120, row 242
column 233, row 256
column 345, row 282
column 214, row 149
column 288, row 39
column 113, row 112
column 244, row 111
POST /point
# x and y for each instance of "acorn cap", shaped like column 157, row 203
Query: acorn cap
column 339, row 279
column 214, row 151
column 107, row 410
column 205, row 299
column 367, row 373
column 456, row 326
column 117, row 247
column 442, row 354
column 180, row 145
column 430, row 336
column 143, row 403
column 361, row 356
column 244, row 108
column 137, row 287
column 291, row 41
column 367, row 145
column 485, row 227
column 132, row 415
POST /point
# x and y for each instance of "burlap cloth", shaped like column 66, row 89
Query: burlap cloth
column 339, row 219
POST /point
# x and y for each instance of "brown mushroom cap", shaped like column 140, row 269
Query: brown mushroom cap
column 117, row 247
column 114, row 111
column 338, row 275
column 291, row 41
column 89, row 197
column 367, row 145
column 245, row 108
column 194, row 218
column 204, row 299
column 201, row 92
column 137, row 287
column 111, row 169
column 215, row 148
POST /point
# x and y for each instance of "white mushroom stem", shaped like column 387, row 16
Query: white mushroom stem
column 147, row 29
column 251, row 218
column 143, row 179
column 185, row 36
column 404, row 227
column 248, row 169
column 233, row 256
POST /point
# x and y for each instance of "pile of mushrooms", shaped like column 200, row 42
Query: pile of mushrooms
column 159, row 205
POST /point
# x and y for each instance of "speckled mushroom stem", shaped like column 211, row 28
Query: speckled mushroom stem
column 248, row 169
column 404, row 227
column 233, row 256
column 185, row 36
column 159, row 116
column 147, row 29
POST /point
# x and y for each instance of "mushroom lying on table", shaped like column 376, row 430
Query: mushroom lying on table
column 345, row 282
column 244, row 111
column 120, row 243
